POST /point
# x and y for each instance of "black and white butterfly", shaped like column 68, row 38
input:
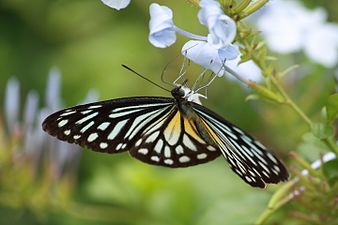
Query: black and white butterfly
column 170, row 132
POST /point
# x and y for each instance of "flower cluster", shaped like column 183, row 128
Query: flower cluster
column 216, row 51
column 289, row 27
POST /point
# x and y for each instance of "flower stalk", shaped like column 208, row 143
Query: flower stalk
column 251, row 9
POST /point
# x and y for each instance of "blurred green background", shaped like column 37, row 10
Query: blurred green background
column 88, row 42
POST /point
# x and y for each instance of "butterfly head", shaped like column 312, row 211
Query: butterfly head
column 182, row 92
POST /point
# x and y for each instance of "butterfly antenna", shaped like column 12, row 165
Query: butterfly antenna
column 147, row 79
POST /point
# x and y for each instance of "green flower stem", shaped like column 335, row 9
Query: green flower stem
column 328, row 141
column 290, row 102
column 277, row 200
column 252, row 8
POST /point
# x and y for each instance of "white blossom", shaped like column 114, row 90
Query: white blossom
column 211, row 51
column 116, row 4
column 289, row 27
column 162, row 33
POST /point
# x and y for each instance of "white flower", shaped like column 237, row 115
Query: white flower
column 162, row 33
column 222, row 29
column 116, row 4
column 210, row 52
column 247, row 70
column 322, row 45
column 289, row 27
column 204, row 54
column 213, row 53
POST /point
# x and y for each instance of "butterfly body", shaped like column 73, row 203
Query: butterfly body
column 170, row 132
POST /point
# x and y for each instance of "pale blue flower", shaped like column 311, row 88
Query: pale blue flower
column 222, row 29
column 210, row 52
column 116, row 4
column 162, row 32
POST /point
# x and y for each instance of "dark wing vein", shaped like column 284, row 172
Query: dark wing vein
column 105, row 126
column 247, row 157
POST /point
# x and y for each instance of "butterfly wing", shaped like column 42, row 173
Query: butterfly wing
column 105, row 126
column 247, row 157
column 173, row 141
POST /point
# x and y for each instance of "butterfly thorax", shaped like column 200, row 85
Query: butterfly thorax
column 185, row 97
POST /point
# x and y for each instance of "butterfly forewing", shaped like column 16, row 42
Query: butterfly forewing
column 247, row 157
column 104, row 126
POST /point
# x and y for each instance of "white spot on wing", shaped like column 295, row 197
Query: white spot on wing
column 152, row 137
column 155, row 158
column 84, row 119
column 116, row 129
column 158, row 146
column 86, row 112
column 119, row 114
column 103, row 145
column 103, row 126
column 270, row 156
column 179, row 150
column 143, row 151
column 68, row 113
column 187, row 142
column 67, row 132
column 184, row 159
column 94, row 106
column 211, row 148
column 202, row 156
column 62, row 123
column 76, row 137
column 92, row 137
column 119, row 146
column 139, row 141
column 167, row 152
column 169, row 161
column 87, row 127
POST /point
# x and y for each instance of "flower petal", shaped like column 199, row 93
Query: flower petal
column 285, row 25
column 116, row 4
column 229, row 52
column 321, row 45
column 247, row 70
column 220, row 26
column 204, row 54
column 162, row 33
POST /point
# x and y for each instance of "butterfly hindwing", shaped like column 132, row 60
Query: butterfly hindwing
column 104, row 126
column 173, row 141
column 246, row 156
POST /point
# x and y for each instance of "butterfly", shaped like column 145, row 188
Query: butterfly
column 170, row 132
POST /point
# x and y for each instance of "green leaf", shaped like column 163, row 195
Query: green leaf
column 332, row 108
column 330, row 170
column 321, row 130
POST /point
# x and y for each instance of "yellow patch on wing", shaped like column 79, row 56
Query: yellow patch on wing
column 173, row 129
column 211, row 133
column 191, row 129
